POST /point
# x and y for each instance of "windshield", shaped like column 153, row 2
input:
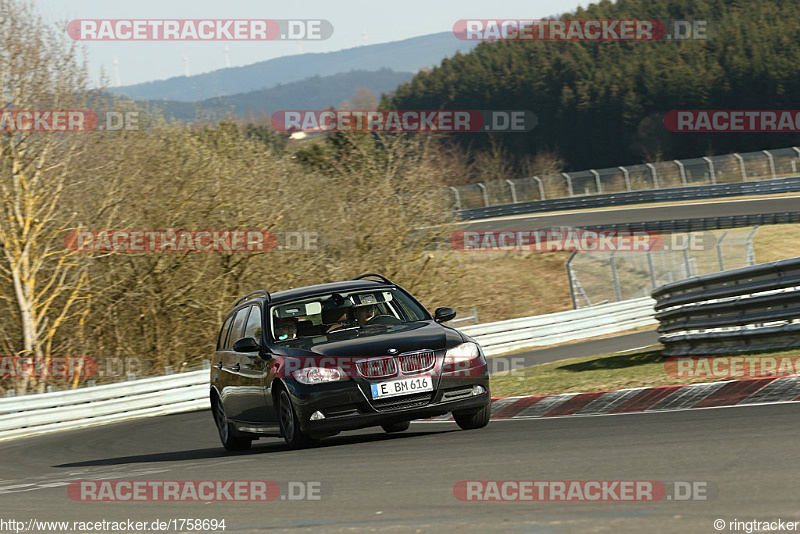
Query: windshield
column 319, row 318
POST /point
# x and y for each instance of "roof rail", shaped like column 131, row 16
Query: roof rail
column 375, row 275
column 256, row 292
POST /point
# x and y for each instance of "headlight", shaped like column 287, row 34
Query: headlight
column 318, row 375
column 462, row 353
column 462, row 358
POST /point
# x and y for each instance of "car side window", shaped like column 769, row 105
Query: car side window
column 223, row 333
column 236, row 329
column 253, row 326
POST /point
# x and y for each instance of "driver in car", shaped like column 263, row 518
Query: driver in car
column 363, row 314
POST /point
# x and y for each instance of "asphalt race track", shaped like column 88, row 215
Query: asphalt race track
column 404, row 482
column 372, row 481
column 723, row 208
column 581, row 349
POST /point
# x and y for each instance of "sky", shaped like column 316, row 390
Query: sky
column 355, row 23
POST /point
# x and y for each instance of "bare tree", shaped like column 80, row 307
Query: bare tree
column 39, row 70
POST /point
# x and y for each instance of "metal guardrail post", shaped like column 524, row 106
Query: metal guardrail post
column 597, row 181
column 652, row 268
column 513, row 191
column 541, row 187
column 655, row 175
column 458, row 198
column 718, row 246
column 485, row 194
column 569, row 184
column 681, row 168
column 11, row 393
column 686, row 264
column 572, row 281
column 740, row 159
column 751, row 253
column 771, row 162
column 627, row 177
column 794, row 163
column 711, row 170
column 612, row 261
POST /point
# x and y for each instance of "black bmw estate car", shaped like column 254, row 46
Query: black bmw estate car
column 307, row 363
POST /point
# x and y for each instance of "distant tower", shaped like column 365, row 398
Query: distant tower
column 364, row 38
column 116, row 72
column 186, row 66
column 299, row 47
column 227, row 56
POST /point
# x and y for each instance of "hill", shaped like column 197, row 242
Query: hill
column 408, row 55
column 317, row 92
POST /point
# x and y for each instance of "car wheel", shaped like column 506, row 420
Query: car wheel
column 473, row 420
column 290, row 425
column 227, row 436
column 396, row 427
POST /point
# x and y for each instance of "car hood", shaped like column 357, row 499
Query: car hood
column 378, row 339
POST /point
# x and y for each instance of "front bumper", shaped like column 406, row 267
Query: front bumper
column 346, row 406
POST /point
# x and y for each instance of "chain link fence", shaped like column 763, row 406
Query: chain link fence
column 602, row 277
column 729, row 168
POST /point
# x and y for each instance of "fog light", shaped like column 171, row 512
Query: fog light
column 317, row 416
column 477, row 390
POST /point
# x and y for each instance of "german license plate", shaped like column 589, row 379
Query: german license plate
column 404, row 386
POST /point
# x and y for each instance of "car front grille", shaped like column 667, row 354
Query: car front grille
column 416, row 362
column 377, row 367
column 403, row 403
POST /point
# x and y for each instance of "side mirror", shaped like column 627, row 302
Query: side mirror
column 444, row 314
column 246, row 344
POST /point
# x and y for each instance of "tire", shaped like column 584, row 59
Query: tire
column 227, row 432
column 396, row 427
column 290, row 426
column 473, row 421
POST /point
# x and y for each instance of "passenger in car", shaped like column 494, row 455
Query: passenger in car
column 286, row 329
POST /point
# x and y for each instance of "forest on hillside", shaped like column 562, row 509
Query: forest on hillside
column 602, row 103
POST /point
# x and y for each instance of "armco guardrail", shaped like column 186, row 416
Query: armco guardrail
column 63, row 410
column 147, row 397
column 701, row 224
column 540, row 330
column 695, row 192
column 751, row 309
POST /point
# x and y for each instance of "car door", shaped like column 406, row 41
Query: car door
column 219, row 377
column 226, row 366
column 250, row 372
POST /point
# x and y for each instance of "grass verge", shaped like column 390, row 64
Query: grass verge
column 606, row 372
